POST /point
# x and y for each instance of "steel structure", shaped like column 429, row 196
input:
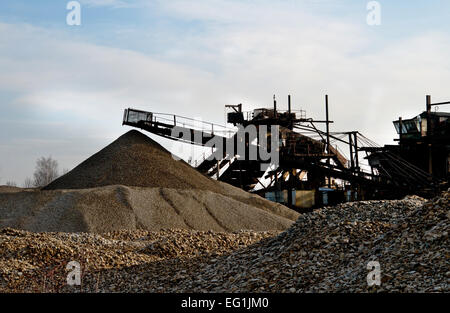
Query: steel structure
column 310, row 159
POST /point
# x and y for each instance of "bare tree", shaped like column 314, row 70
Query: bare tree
column 28, row 183
column 46, row 171
column 11, row 183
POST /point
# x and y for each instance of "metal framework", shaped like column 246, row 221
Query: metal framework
column 310, row 158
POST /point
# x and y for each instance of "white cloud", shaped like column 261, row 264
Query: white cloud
column 59, row 74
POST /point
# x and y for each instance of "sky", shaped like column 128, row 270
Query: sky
column 63, row 88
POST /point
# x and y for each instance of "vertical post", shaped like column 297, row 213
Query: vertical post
column 428, row 103
column 291, row 122
column 428, row 116
column 240, row 174
column 358, row 189
column 350, row 142
column 400, row 132
column 174, row 120
column 218, row 169
column 289, row 104
column 289, row 189
column 274, row 106
column 328, row 137
column 430, row 154
column 355, row 136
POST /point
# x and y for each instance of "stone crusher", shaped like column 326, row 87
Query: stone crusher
column 422, row 156
column 310, row 159
column 236, row 170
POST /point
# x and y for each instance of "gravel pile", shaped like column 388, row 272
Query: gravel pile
column 324, row 251
column 110, row 208
column 329, row 249
column 133, row 159
column 134, row 183
column 11, row 189
column 136, row 261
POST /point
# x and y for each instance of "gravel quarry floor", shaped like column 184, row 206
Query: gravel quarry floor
column 324, row 251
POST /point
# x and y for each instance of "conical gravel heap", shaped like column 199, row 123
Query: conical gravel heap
column 133, row 160
column 134, row 183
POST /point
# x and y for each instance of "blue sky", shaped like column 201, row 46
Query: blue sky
column 63, row 88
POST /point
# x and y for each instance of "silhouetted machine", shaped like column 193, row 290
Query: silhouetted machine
column 311, row 163
column 424, row 141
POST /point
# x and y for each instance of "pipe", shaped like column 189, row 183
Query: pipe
column 289, row 104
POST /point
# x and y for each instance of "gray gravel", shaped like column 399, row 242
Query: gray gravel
column 324, row 251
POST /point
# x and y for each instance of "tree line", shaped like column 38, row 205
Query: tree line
column 46, row 171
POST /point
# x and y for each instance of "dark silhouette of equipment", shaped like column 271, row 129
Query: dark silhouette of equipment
column 312, row 164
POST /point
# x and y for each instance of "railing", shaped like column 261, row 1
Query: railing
column 198, row 160
column 249, row 115
column 224, row 168
column 136, row 116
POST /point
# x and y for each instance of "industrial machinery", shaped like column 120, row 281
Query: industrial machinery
column 312, row 169
column 424, row 141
